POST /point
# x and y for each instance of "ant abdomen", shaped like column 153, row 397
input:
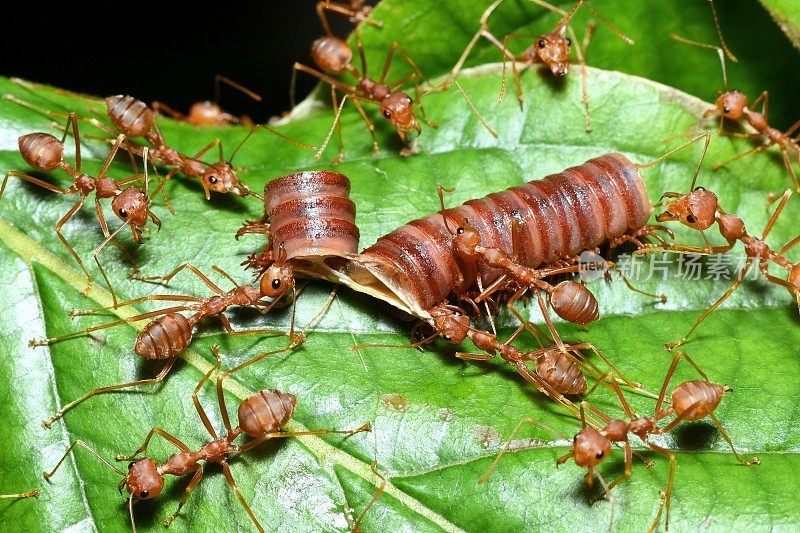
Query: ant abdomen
column 694, row 400
column 332, row 55
column 574, row 303
column 41, row 150
column 560, row 371
column 265, row 412
column 164, row 337
column 129, row 115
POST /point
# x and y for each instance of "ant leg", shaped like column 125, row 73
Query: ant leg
column 104, row 228
column 666, row 496
column 175, row 441
column 48, row 475
column 163, row 109
column 374, row 466
column 482, row 32
column 31, row 494
column 787, row 162
column 588, row 346
column 229, row 329
column 285, row 434
column 150, row 381
column 527, row 420
column 323, row 18
column 226, row 470
column 96, row 253
column 760, row 147
column 370, row 127
column 549, row 322
column 184, row 266
column 336, row 124
column 111, row 154
column 580, row 52
column 733, row 287
column 196, row 401
column 751, row 462
column 473, row 108
column 66, row 218
column 198, row 475
column 35, row 181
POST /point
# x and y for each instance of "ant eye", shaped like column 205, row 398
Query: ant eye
column 212, row 179
column 130, row 465
column 446, row 337
column 276, row 284
column 387, row 114
column 575, row 438
column 410, row 101
column 460, row 230
column 123, row 213
column 541, row 43
column 144, row 494
column 600, row 454
column 569, row 41
column 691, row 219
column 726, row 109
column 698, row 188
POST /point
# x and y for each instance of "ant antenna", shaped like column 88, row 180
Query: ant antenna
column 719, row 33
column 712, row 47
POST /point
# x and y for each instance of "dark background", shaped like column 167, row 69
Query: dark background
column 166, row 51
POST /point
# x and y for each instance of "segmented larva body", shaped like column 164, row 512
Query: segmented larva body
column 696, row 399
column 129, row 115
column 164, row 337
column 311, row 214
column 265, row 412
column 561, row 215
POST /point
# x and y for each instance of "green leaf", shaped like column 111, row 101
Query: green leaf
column 437, row 421
column 787, row 17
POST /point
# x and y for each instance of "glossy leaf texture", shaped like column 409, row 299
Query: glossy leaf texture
column 437, row 421
column 787, row 16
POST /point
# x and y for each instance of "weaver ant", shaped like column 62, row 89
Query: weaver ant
column 552, row 49
column 691, row 400
column 260, row 416
column 131, row 205
column 168, row 335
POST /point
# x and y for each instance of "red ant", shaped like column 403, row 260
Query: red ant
column 209, row 113
column 168, row 335
column 260, row 416
column 699, row 209
column 691, row 400
column 733, row 105
column 131, row 205
column 397, row 107
column 134, row 118
column 552, row 49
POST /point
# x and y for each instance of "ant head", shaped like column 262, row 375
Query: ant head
column 41, row 150
column 553, row 50
column 731, row 105
column 452, row 325
column 398, row 108
column 696, row 209
column 332, row 55
column 590, row 448
column 143, row 480
column 131, row 207
column 465, row 241
column 279, row 277
column 207, row 114
column 220, row 177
